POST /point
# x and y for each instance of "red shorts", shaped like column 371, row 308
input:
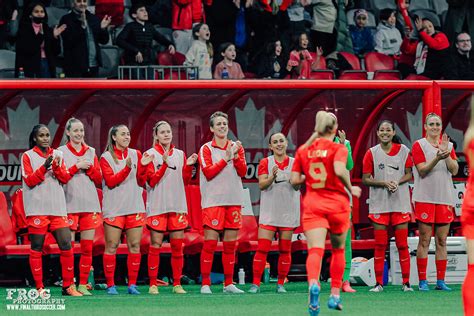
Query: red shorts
column 336, row 223
column 85, row 221
column 433, row 213
column 41, row 224
column 276, row 228
column 392, row 218
column 127, row 221
column 222, row 217
column 167, row 222
column 467, row 221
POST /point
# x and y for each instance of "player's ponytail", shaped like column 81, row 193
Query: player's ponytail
column 111, row 142
column 325, row 122
column 470, row 130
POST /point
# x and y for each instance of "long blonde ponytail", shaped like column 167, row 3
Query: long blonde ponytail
column 325, row 122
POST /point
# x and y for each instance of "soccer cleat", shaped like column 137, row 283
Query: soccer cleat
column 423, row 286
column 132, row 289
column 377, row 288
column 314, row 307
column 254, row 289
column 112, row 290
column 280, row 289
column 71, row 291
column 346, row 287
column 206, row 289
column 335, row 303
column 178, row 289
column 406, row 287
column 153, row 290
column 441, row 286
column 84, row 290
column 232, row 289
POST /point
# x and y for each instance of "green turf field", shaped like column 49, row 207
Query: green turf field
column 390, row 302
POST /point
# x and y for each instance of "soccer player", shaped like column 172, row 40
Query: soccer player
column 43, row 172
column 433, row 194
column 279, row 211
column 321, row 164
column 167, row 175
column 123, row 208
column 467, row 219
column 222, row 167
column 386, row 171
column 82, row 201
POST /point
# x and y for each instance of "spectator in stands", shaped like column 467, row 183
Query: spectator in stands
column 271, row 63
column 387, row 38
column 296, row 16
column 201, row 52
column 301, row 63
column 81, row 40
column 8, row 14
column 362, row 37
column 228, row 64
column 37, row 44
column 460, row 17
column 461, row 64
column 137, row 38
column 323, row 32
column 112, row 8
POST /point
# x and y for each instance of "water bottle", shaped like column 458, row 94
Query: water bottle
column 241, row 276
column 266, row 273
column 191, row 74
column 225, row 73
column 21, row 73
column 90, row 279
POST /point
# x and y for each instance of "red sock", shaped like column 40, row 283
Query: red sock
column 468, row 291
column 441, row 269
column 338, row 264
column 284, row 260
column 207, row 256
column 421, row 264
column 313, row 264
column 109, row 269
column 36, row 266
column 153, row 264
column 66, row 257
column 86, row 261
column 401, row 240
column 228, row 261
column 133, row 266
column 177, row 260
column 260, row 259
column 379, row 254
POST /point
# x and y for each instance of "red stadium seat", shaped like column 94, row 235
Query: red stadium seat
column 352, row 59
column 416, row 77
column 248, row 233
column 322, row 60
column 193, row 198
column 322, row 75
column 7, row 235
column 353, row 75
column 387, row 75
column 376, row 61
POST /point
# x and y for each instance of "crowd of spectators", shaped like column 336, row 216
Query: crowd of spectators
column 242, row 38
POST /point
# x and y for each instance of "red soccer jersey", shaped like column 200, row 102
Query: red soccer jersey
column 368, row 162
column 324, row 191
column 468, row 203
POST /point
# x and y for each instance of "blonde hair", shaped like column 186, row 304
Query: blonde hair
column 111, row 142
column 216, row 115
column 325, row 122
column 470, row 130
column 155, row 130
column 430, row 115
column 69, row 123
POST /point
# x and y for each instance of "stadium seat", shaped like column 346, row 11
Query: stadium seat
column 7, row 64
column 352, row 59
column 387, row 75
column 371, row 22
column 420, row 5
column 416, row 77
column 7, row 235
column 55, row 15
column 376, row 61
column 248, row 233
column 378, row 5
column 353, row 75
column 439, row 6
column 322, row 75
column 322, row 60
column 110, row 61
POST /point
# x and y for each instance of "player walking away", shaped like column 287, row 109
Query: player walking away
column 467, row 219
column 82, row 201
column 222, row 165
column 123, row 207
column 386, row 171
column 279, row 211
column 167, row 174
column 321, row 164
column 433, row 194
column 43, row 172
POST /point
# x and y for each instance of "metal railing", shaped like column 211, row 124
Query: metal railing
column 158, row 72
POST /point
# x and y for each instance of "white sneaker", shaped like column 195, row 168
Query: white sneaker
column 407, row 288
column 206, row 289
column 232, row 289
column 377, row 288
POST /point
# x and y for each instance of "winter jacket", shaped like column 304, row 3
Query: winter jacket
column 387, row 39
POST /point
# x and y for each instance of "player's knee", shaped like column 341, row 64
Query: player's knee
column 112, row 246
column 440, row 242
column 134, row 247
